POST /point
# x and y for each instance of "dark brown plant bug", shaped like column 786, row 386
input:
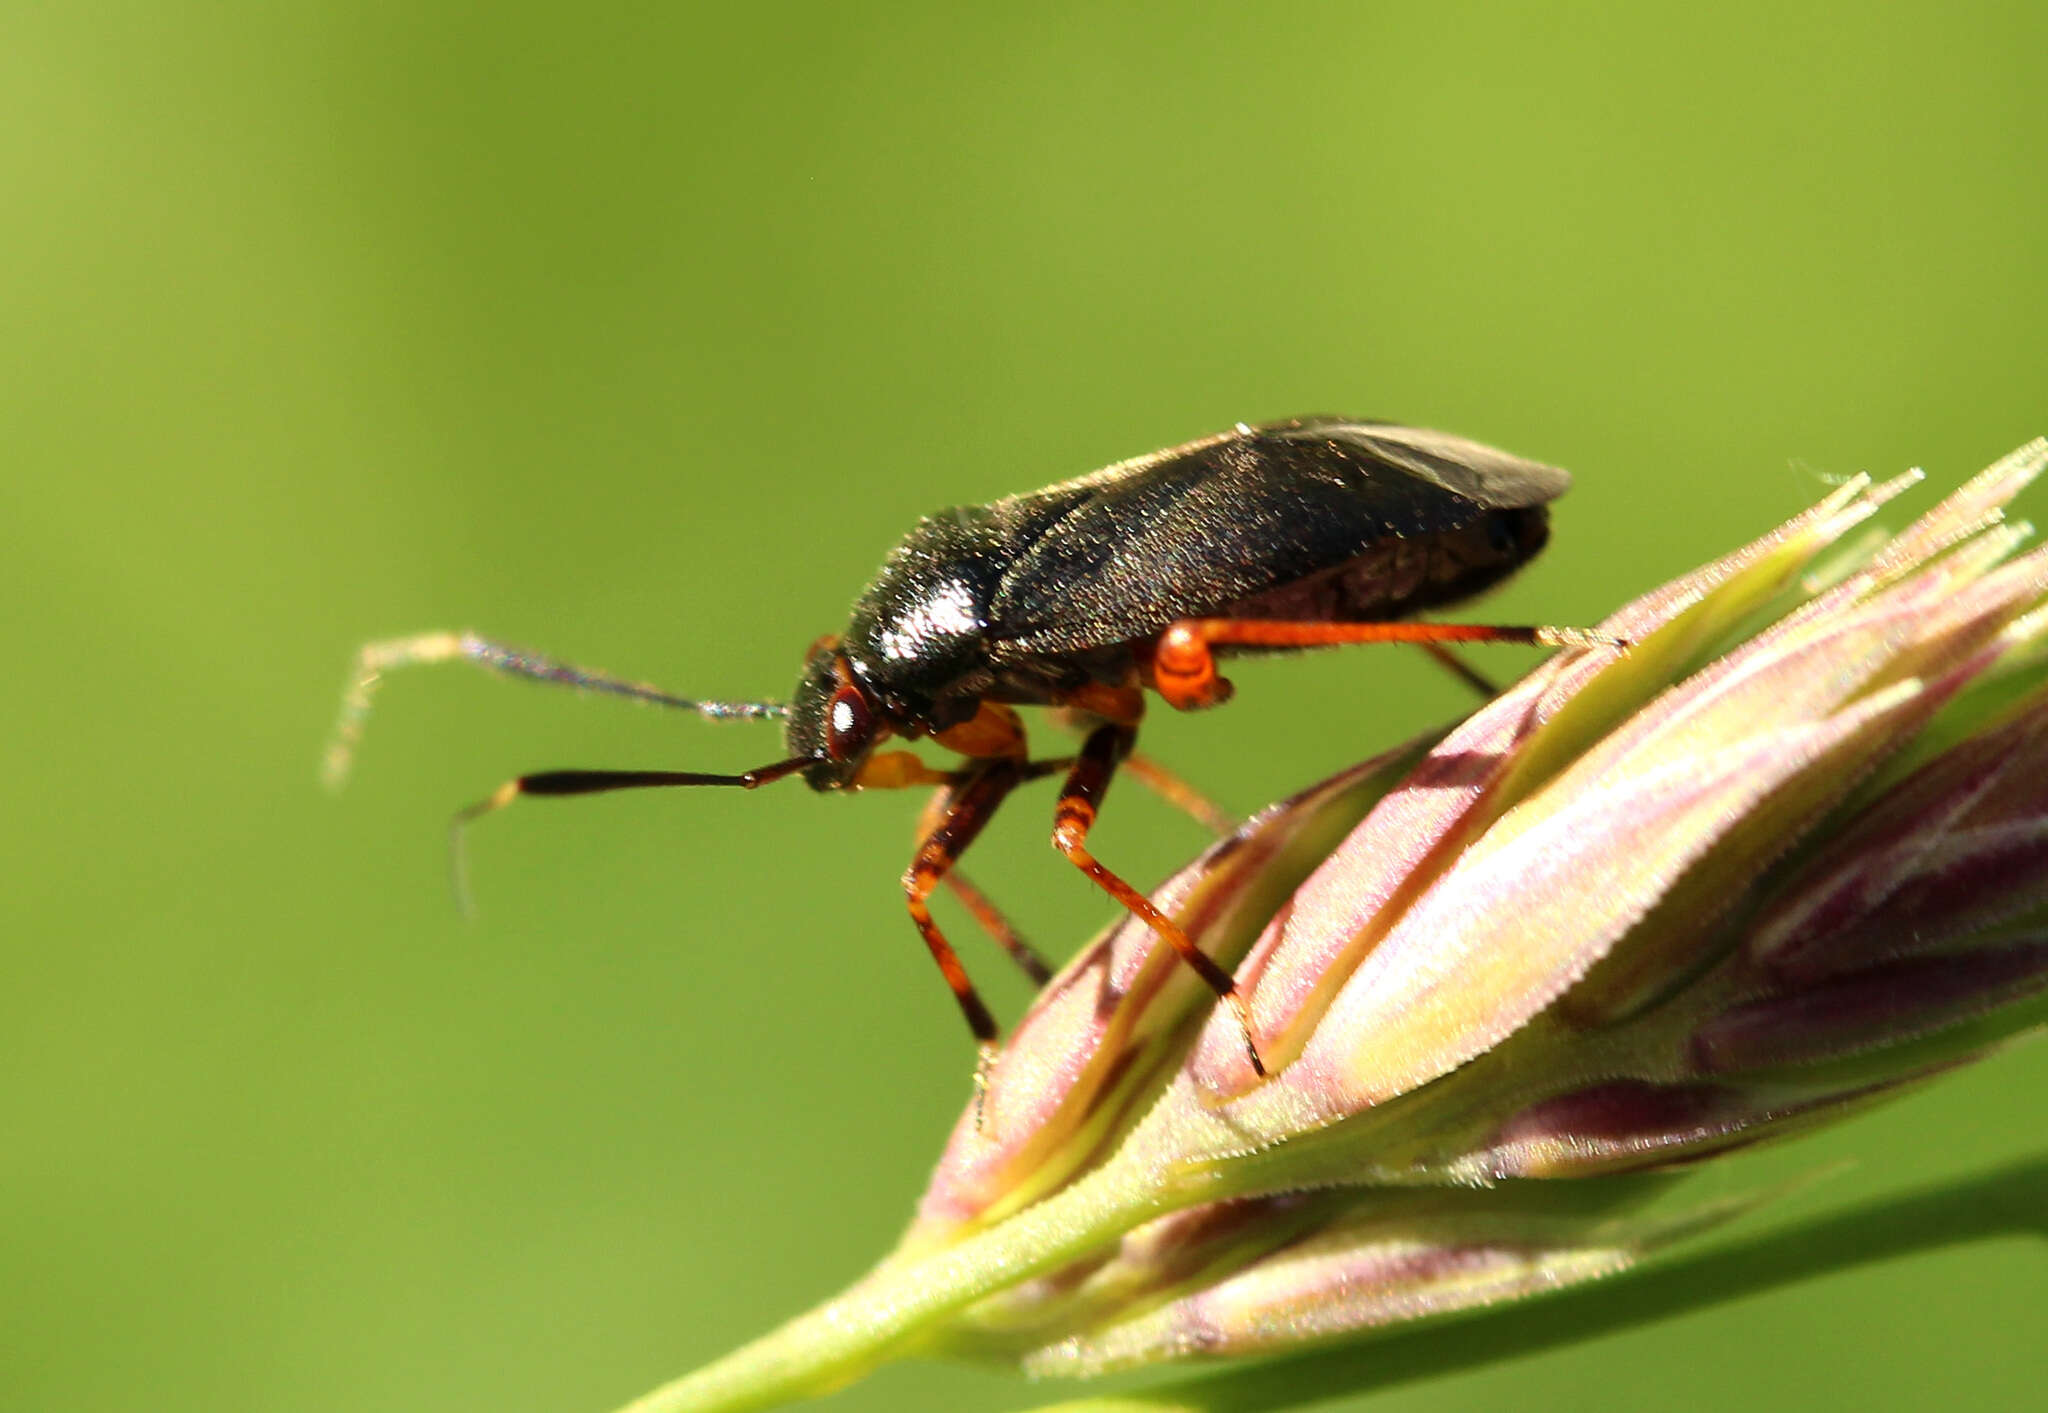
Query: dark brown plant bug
column 1296, row 534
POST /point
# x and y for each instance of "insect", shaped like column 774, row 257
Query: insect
column 1084, row 596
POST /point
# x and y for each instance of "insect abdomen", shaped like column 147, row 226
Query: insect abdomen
column 1398, row 577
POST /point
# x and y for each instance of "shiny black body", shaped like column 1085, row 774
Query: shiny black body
column 1316, row 518
column 1088, row 596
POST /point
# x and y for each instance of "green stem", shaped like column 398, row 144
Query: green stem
column 849, row 1335
column 1972, row 1208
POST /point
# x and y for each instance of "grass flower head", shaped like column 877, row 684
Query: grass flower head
column 1784, row 856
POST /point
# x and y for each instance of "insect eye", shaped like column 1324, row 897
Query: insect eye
column 848, row 723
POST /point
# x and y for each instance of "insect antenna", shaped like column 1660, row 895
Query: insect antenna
column 588, row 782
column 377, row 658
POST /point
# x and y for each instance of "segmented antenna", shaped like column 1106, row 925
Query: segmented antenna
column 377, row 658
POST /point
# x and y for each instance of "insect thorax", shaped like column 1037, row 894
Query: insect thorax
column 918, row 635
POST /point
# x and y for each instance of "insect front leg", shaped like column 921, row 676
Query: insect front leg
column 1080, row 802
column 972, row 805
column 994, row 732
column 978, row 903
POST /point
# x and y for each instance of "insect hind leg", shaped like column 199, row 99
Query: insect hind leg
column 1182, row 663
column 1465, row 672
column 375, row 659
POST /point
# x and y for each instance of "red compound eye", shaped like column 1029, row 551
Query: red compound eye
column 848, row 723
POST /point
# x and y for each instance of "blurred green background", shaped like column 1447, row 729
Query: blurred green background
column 637, row 333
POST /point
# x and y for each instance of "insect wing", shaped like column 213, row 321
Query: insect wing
column 1190, row 531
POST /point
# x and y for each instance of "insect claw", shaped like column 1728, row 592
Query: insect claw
column 1579, row 638
column 1235, row 1000
column 987, row 1053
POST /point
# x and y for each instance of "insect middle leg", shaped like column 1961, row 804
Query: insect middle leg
column 1087, row 707
column 1080, row 802
column 1155, row 777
